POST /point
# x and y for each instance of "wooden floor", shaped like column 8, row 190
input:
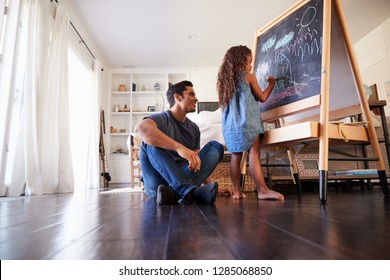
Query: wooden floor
column 127, row 225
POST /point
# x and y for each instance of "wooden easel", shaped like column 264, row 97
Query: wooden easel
column 310, row 118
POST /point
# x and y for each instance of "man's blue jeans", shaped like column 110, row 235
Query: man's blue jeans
column 158, row 167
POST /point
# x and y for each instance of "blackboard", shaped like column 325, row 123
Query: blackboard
column 291, row 50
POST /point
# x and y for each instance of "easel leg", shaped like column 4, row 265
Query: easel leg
column 297, row 182
column 383, row 181
column 364, row 105
column 385, row 133
column 269, row 175
column 294, row 169
column 243, row 169
column 323, row 185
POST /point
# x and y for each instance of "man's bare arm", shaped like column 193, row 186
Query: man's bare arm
column 148, row 132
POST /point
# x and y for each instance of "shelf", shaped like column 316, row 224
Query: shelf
column 289, row 134
column 120, row 92
column 147, row 92
column 143, row 113
column 140, row 95
column 120, row 134
column 120, row 155
column 120, row 113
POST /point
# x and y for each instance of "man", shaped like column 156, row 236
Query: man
column 173, row 166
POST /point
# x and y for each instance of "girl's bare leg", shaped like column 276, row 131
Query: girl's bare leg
column 235, row 175
column 263, row 192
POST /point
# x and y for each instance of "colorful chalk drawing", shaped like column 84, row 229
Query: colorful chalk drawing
column 285, row 40
column 291, row 51
column 269, row 44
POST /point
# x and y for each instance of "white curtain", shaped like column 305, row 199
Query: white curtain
column 39, row 161
column 55, row 148
column 8, row 42
column 37, row 49
column 2, row 5
column 92, row 179
column 23, row 168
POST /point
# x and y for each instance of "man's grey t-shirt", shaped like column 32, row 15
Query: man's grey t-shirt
column 186, row 133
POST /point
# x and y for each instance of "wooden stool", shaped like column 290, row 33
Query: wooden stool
column 135, row 166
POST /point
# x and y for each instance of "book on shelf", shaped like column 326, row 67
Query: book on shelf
column 357, row 172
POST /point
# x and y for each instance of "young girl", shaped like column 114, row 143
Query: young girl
column 239, row 93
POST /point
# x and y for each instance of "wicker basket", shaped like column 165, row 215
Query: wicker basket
column 221, row 174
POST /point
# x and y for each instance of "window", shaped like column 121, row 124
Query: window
column 80, row 106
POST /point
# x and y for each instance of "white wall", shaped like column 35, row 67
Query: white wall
column 373, row 56
column 204, row 79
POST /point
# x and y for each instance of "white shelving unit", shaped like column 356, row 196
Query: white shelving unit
column 144, row 93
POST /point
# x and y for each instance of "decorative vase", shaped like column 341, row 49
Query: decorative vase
column 122, row 87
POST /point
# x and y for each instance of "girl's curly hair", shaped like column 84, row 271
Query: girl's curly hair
column 230, row 71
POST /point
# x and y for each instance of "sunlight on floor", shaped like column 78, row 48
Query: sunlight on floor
column 121, row 190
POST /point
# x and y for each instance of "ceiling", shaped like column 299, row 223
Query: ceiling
column 156, row 33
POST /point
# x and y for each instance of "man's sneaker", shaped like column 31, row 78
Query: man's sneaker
column 165, row 195
column 206, row 193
